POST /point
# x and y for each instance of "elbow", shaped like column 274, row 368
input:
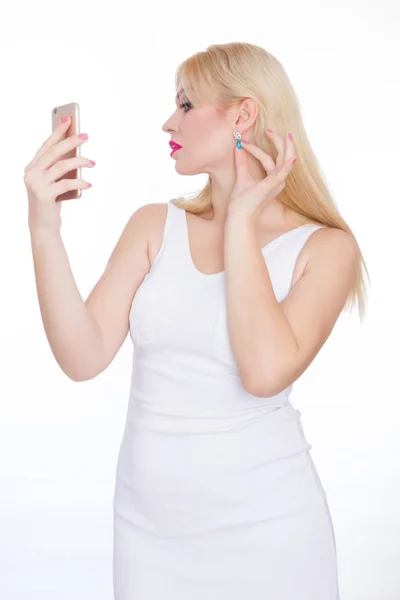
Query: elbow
column 260, row 386
column 85, row 375
column 77, row 377
column 265, row 385
column 81, row 375
column 264, row 390
column 80, row 379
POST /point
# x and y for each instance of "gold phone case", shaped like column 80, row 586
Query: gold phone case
column 58, row 112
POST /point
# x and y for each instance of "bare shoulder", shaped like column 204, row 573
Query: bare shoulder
column 330, row 239
column 146, row 224
column 153, row 210
column 328, row 245
column 154, row 218
column 150, row 215
column 333, row 246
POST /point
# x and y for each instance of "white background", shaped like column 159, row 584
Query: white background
column 59, row 440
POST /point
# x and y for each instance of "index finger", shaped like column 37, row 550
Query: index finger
column 53, row 138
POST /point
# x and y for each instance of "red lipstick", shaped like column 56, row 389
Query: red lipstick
column 174, row 147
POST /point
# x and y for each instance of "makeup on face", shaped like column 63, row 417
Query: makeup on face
column 175, row 147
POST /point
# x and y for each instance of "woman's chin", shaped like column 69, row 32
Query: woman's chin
column 183, row 169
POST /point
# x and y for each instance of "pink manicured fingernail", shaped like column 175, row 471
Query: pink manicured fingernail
column 64, row 119
column 244, row 142
column 290, row 137
column 83, row 136
column 269, row 131
column 294, row 160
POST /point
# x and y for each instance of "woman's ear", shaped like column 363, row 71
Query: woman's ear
column 247, row 114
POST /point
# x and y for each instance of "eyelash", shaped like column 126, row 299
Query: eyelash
column 188, row 105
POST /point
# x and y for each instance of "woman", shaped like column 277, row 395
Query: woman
column 228, row 298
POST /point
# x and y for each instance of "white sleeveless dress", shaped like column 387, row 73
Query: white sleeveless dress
column 216, row 495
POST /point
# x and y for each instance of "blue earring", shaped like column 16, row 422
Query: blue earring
column 237, row 137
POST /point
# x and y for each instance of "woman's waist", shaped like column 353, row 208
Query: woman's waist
column 212, row 397
column 237, row 417
column 195, row 411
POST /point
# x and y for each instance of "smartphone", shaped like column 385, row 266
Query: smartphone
column 58, row 112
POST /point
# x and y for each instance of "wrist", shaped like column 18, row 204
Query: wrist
column 42, row 234
column 237, row 214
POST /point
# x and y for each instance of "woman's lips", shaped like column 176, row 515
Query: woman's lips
column 174, row 147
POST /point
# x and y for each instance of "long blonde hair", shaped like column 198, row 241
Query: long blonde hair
column 231, row 72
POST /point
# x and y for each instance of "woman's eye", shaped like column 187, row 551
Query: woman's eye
column 186, row 106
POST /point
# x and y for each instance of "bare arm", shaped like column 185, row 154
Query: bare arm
column 275, row 342
column 85, row 336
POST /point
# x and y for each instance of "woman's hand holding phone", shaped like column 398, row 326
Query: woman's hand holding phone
column 42, row 178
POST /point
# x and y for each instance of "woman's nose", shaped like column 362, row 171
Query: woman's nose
column 167, row 128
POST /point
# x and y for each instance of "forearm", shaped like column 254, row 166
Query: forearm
column 72, row 333
column 261, row 337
